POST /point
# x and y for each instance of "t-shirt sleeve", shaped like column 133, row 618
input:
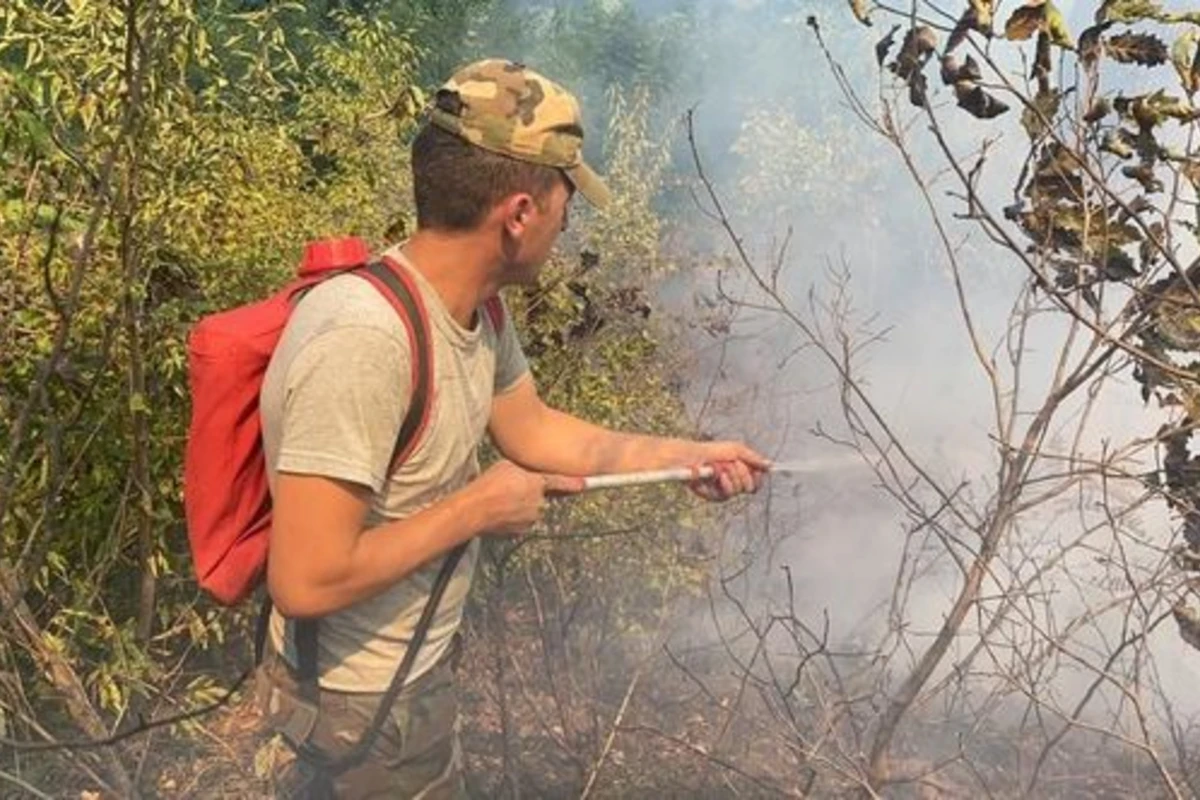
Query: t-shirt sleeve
column 346, row 394
column 511, row 364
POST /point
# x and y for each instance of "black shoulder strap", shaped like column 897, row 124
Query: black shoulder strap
column 335, row 766
column 405, row 301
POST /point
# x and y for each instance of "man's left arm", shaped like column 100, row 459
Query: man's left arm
column 544, row 439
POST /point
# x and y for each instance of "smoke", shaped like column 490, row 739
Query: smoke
column 794, row 164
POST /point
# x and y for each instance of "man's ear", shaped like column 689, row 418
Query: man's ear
column 516, row 212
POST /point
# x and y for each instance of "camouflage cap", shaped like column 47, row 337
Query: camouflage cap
column 508, row 108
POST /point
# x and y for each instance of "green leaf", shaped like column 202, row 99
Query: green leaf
column 1185, row 56
column 1127, row 11
column 1056, row 26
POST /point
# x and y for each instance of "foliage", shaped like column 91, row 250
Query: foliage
column 1107, row 199
column 141, row 192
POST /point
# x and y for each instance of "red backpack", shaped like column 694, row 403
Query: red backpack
column 226, row 497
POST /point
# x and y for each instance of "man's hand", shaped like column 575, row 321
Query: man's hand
column 737, row 469
column 515, row 498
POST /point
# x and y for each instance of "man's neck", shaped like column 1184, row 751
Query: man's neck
column 462, row 272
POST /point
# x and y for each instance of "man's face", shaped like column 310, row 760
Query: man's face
column 543, row 223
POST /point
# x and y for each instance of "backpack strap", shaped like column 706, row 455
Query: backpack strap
column 394, row 282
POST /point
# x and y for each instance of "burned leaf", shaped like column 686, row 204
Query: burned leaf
column 1041, row 60
column 926, row 40
column 1040, row 113
column 1099, row 110
column 1150, row 249
column 965, row 23
column 950, row 68
column 1186, row 58
column 953, row 72
column 1127, row 10
column 1145, row 49
column 861, row 11
column 1025, row 21
column 917, row 87
column 978, row 103
column 1118, row 266
column 1143, row 174
column 919, row 42
column 979, row 16
column 885, row 44
column 1090, row 44
column 1055, row 185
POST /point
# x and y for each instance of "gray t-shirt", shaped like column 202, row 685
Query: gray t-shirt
column 332, row 401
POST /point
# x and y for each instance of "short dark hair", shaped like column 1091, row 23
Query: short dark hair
column 457, row 183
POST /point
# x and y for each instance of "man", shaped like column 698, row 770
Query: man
column 494, row 171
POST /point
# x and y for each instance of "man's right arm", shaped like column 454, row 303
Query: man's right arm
column 322, row 560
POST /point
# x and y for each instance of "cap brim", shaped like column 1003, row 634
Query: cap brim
column 589, row 184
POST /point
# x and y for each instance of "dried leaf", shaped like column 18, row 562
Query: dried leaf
column 1040, row 112
column 1154, row 108
column 1127, row 10
column 1191, row 170
column 1039, row 15
column 1144, row 174
column 977, row 102
column 885, row 44
column 1091, row 229
column 1118, row 143
column 984, row 16
column 1145, row 49
column 861, row 11
column 1185, row 56
column 1025, row 21
column 1151, row 110
column 1100, row 109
